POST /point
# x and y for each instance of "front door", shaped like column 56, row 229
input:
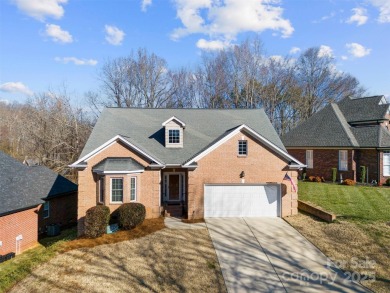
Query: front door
column 174, row 187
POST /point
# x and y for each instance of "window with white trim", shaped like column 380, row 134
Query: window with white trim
column 174, row 136
column 133, row 188
column 343, row 160
column 309, row 159
column 386, row 163
column 46, row 209
column 116, row 189
column 242, row 148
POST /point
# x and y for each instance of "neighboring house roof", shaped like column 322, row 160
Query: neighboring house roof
column 363, row 109
column 332, row 127
column 24, row 186
column 125, row 165
column 143, row 129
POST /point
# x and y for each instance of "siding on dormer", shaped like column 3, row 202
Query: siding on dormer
column 173, row 125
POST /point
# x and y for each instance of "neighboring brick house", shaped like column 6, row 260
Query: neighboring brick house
column 32, row 197
column 188, row 162
column 345, row 135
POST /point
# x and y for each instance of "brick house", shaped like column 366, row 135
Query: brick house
column 345, row 135
column 32, row 197
column 193, row 163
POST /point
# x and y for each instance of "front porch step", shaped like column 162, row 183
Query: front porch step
column 174, row 211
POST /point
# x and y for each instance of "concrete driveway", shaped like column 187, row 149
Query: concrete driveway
column 268, row 255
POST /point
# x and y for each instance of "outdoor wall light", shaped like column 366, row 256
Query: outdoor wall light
column 242, row 174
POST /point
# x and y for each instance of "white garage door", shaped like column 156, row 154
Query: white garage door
column 241, row 200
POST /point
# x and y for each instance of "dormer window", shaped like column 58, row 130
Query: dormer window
column 174, row 132
column 174, row 135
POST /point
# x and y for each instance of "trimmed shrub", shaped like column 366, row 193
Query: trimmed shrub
column 349, row 182
column 96, row 221
column 388, row 182
column 362, row 174
column 318, row 179
column 334, row 175
column 131, row 215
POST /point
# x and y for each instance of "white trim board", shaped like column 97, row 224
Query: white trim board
column 255, row 135
column 176, row 119
column 108, row 144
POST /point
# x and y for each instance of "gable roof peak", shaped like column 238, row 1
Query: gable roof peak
column 173, row 118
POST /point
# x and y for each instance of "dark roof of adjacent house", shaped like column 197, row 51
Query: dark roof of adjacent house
column 364, row 109
column 143, row 128
column 24, row 186
column 333, row 126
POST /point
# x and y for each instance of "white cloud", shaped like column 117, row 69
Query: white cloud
column 276, row 58
column 384, row 9
column 359, row 16
column 344, row 57
column 145, row 4
column 76, row 61
column 114, row 35
column 57, row 34
column 325, row 51
column 211, row 45
column 357, row 50
column 223, row 20
column 295, row 50
column 5, row 101
column 326, row 17
column 15, row 87
column 40, row 9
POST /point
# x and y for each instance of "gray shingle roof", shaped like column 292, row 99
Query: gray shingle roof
column 143, row 128
column 117, row 164
column 321, row 130
column 22, row 186
column 330, row 128
column 363, row 109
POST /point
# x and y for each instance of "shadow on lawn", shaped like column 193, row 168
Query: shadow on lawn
column 165, row 261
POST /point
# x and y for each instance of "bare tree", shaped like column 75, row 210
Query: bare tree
column 47, row 128
column 139, row 80
column 321, row 83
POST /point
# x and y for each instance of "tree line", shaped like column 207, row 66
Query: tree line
column 289, row 89
column 52, row 130
column 47, row 129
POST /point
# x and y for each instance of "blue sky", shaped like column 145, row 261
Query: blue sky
column 48, row 43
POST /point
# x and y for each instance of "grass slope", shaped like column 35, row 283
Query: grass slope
column 360, row 232
column 358, row 203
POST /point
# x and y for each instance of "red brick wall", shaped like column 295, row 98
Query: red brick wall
column 368, row 158
column 223, row 165
column 23, row 223
column 323, row 162
column 63, row 211
column 148, row 185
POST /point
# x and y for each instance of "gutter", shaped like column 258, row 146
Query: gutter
column 19, row 210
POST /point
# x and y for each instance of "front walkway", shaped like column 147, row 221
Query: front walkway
column 176, row 223
column 268, row 255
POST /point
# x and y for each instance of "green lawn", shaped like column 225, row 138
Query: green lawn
column 360, row 203
column 361, row 230
column 16, row 269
